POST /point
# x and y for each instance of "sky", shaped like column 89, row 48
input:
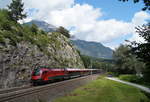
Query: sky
column 110, row 22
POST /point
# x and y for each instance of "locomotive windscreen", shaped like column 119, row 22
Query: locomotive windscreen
column 36, row 72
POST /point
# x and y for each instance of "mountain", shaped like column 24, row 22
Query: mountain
column 93, row 49
column 43, row 25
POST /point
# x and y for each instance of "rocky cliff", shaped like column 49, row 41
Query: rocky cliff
column 17, row 61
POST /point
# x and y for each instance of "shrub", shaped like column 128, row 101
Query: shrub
column 16, row 33
column 63, row 31
column 42, row 41
column 34, row 28
column 5, row 23
column 131, row 78
column 2, row 40
column 110, row 74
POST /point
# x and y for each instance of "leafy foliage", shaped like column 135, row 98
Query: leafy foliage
column 126, row 62
column 86, row 60
column 146, row 3
column 97, row 63
column 34, row 28
column 142, row 50
column 131, row 78
column 16, row 10
column 4, row 20
column 63, row 31
column 14, row 32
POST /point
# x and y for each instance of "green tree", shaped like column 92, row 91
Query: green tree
column 146, row 3
column 16, row 10
column 34, row 28
column 63, row 31
column 86, row 60
column 142, row 50
column 106, row 66
column 126, row 62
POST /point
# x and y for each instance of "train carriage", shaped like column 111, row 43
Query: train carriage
column 44, row 74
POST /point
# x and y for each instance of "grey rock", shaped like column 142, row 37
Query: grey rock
column 17, row 62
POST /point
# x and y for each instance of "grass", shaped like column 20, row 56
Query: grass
column 131, row 78
column 134, row 79
column 104, row 90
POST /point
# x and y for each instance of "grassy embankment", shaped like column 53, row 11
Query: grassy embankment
column 134, row 79
column 104, row 90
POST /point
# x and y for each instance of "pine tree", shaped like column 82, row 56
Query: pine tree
column 16, row 10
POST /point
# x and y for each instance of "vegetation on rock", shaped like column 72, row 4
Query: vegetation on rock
column 63, row 31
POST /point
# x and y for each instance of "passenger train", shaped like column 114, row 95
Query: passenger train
column 42, row 75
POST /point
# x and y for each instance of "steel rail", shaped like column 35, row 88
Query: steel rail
column 2, row 91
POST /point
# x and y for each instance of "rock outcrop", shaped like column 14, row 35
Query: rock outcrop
column 17, row 62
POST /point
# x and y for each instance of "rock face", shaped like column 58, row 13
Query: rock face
column 17, row 62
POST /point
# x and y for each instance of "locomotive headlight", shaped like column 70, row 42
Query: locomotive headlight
column 40, row 71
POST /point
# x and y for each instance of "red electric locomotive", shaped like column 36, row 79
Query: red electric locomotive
column 45, row 75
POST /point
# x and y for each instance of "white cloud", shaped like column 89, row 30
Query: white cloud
column 136, row 38
column 108, row 30
column 83, row 20
column 140, row 17
column 138, row 20
column 43, row 8
column 78, row 15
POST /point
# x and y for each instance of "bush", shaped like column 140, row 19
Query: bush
column 63, row 31
column 131, row 78
column 110, row 74
column 16, row 33
column 34, row 28
column 5, row 23
column 2, row 40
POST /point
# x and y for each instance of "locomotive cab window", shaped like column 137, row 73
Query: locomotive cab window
column 36, row 72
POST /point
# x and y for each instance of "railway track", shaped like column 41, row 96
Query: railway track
column 21, row 94
column 3, row 91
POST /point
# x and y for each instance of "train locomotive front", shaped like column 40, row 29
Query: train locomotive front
column 43, row 75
